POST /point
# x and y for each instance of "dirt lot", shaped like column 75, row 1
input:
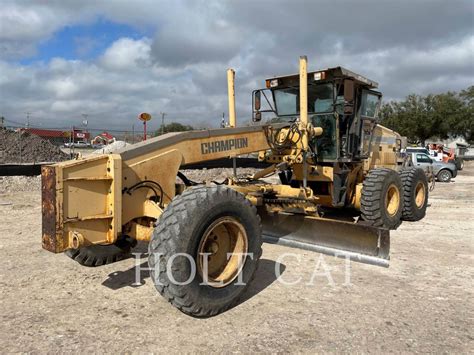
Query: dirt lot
column 422, row 303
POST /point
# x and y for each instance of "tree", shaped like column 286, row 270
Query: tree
column 411, row 118
column 465, row 125
column 422, row 117
column 174, row 127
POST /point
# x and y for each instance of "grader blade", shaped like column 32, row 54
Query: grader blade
column 361, row 243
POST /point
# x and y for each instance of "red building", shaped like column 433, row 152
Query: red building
column 104, row 138
column 79, row 135
column 60, row 137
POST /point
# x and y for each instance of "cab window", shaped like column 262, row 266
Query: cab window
column 370, row 104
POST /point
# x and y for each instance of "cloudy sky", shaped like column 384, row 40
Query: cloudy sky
column 112, row 60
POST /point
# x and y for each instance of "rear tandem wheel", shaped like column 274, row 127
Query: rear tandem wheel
column 415, row 194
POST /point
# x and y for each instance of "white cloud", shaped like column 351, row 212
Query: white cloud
column 181, row 68
column 127, row 53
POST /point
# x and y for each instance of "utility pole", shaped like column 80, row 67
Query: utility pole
column 133, row 134
column 163, row 122
column 28, row 119
column 223, row 120
column 85, row 122
column 2, row 119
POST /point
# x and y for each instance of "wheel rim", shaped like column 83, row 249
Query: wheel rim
column 420, row 194
column 444, row 176
column 392, row 200
column 224, row 236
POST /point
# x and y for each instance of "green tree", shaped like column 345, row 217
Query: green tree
column 422, row 117
column 173, row 127
column 411, row 117
column 465, row 125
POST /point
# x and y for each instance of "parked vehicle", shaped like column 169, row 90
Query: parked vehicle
column 443, row 171
column 440, row 154
column 77, row 145
column 447, row 155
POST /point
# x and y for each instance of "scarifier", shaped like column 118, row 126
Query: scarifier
column 342, row 188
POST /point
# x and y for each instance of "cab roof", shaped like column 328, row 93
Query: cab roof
column 326, row 74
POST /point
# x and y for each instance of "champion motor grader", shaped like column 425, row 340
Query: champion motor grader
column 342, row 188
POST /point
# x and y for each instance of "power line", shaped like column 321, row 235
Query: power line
column 18, row 123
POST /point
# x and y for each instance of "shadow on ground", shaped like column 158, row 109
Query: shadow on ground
column 265, row 276
column 268, row 271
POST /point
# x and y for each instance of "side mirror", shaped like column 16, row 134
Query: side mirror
column 257, row 103
column 256, row 100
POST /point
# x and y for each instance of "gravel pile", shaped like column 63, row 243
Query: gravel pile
column 218, row 174
column 19, row 184
column 16, row 148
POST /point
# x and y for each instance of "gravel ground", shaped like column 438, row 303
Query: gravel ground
column 422, row 303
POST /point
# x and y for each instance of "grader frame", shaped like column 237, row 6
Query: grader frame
column 93, row 201
column 342, row 203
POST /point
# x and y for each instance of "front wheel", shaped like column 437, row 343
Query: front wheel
column 381, row 199
column 444, row 176
column 205, row 250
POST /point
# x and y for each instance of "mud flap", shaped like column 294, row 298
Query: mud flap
column 361, row 243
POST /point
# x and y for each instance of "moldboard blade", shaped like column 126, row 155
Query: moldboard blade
column 361, row 243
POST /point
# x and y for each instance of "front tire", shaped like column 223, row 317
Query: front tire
column 205, row 222
column 381, row 199
column 444, row 175
column 415, row 194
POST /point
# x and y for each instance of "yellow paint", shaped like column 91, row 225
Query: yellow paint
column 231, row 96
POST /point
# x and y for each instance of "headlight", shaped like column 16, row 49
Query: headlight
column 320, row 75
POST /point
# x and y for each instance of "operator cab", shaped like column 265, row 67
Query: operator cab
column 342, row 102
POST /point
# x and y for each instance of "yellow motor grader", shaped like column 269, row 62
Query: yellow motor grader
column 341, row 189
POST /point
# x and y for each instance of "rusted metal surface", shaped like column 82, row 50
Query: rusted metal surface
column 49, row 209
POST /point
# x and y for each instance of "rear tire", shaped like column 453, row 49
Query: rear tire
column 444, row 175
column 97, row 255
column 186, row 227
column 381, row 199
column 415, row 194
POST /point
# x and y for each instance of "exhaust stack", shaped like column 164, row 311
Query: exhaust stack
column 231, row 95
column 304, row 101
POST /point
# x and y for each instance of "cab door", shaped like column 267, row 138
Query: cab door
column 368, row 113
